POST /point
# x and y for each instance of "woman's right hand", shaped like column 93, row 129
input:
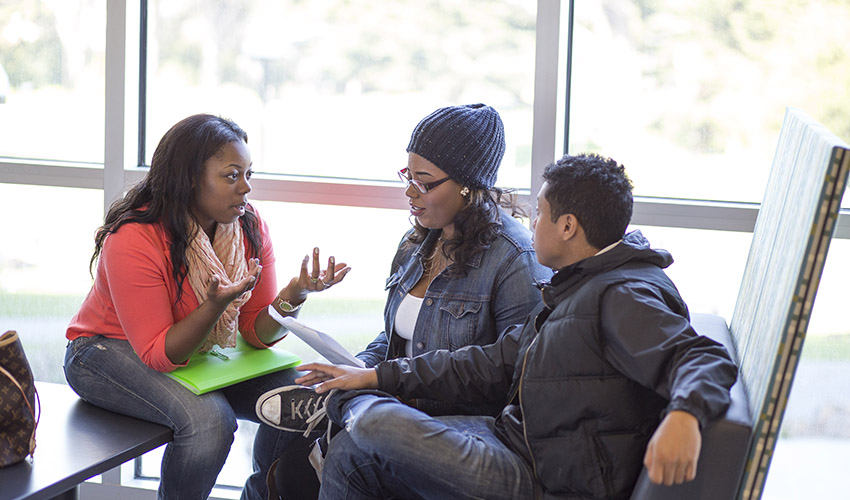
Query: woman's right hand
column 225, row 294
column 187, row 335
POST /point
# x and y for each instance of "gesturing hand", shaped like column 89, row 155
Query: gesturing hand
column 224, row 294
column 316, row 280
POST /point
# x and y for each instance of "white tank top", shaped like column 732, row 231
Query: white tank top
column 405, row 320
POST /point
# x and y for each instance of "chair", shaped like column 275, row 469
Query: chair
column 765, row 336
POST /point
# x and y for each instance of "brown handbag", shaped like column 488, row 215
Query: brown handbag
column 20, row 407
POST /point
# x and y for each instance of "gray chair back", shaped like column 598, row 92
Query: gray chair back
column 791, row 238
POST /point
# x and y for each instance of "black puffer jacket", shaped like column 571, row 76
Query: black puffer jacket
column 587, row 379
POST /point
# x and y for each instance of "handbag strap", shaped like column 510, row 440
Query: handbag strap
column 36, row 417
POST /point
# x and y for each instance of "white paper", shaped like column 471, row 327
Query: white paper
column 323, row 343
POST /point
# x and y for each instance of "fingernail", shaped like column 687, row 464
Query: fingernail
column 316, row 250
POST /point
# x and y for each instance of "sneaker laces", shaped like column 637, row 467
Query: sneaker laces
column 312, row 416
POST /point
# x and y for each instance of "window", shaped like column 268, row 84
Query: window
column 707, row 265
column 690, row 96
column 334, row 88
column 44, row 267
column 52, row 79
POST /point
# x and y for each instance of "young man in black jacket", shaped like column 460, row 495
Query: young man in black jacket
column 606, row 375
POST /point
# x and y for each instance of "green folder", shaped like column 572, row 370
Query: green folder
column 224, row 367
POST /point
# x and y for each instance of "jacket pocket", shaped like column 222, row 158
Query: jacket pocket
column 462, row 326
column 621, row 454
column 568, row 465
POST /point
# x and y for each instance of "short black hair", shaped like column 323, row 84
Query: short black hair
column 596, row 191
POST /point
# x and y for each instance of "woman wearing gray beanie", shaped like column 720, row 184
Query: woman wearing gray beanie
column 466, row 270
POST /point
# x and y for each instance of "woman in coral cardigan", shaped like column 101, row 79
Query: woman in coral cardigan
column 184, row 263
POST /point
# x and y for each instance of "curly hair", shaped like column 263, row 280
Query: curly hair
column 167, row 192
column 476, row 226
column 596, row 190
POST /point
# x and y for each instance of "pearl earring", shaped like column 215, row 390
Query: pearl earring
column 464, row 191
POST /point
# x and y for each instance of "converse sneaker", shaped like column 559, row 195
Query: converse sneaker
column 293, row 408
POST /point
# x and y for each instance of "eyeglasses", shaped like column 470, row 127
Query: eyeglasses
column 422, row 187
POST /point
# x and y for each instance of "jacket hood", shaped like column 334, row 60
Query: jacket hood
column 634, row 247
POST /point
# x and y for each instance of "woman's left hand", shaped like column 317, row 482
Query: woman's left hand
column 317, row 280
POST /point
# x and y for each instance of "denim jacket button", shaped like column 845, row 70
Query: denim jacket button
column 429, row 302
column 420, row 345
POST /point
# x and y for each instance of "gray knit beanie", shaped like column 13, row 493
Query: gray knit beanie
column 467, row 142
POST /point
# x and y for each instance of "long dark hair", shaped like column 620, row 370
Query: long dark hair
column 476, row 226
column 167, row 192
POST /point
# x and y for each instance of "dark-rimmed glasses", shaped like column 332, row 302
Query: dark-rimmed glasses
column 422, row 187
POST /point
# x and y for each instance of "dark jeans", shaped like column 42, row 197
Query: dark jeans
column 108, row 373
column 390, row 450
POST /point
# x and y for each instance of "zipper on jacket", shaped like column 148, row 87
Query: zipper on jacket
column 522, row 410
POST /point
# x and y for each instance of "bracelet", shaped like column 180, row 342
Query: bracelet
column 286, row 306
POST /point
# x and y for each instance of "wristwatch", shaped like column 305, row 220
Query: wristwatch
column 286, row 306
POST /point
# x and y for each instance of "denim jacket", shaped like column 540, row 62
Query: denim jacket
column 498, row 291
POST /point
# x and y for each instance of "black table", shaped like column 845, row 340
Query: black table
column 76, row 441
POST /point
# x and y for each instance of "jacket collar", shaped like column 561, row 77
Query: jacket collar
column 427, row 246
column 633, row 247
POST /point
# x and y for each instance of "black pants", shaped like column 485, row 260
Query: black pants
column 294, row 477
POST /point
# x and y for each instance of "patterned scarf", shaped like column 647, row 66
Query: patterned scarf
column 225, row 258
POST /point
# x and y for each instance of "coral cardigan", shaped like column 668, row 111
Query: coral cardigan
column 134, row 293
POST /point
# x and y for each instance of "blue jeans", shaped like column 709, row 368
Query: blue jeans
column 108, row 373
column 390, row 450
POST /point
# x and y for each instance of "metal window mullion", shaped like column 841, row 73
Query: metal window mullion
column 695, row 214
column 662, row 212
column 143, row 81
column 569, row 76
column 113, row 158
column 545, row 90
